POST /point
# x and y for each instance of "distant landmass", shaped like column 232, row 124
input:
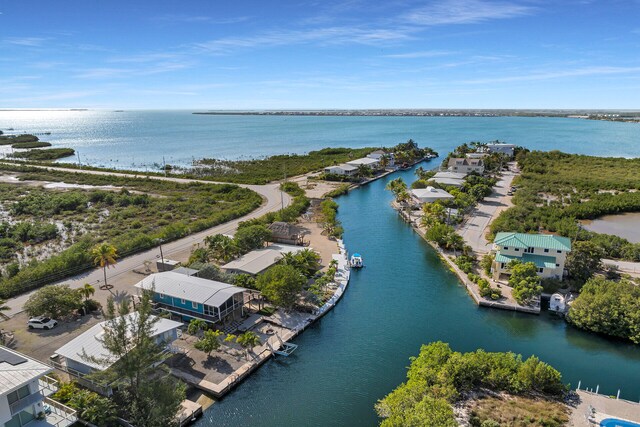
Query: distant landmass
column 613, row 115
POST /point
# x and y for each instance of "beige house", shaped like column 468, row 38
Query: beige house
column 547, row 251
column 464, row 165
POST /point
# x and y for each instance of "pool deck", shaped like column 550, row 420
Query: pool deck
column 593, row 408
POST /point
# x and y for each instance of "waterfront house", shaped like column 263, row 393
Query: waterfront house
column 501, row 148
column 379, row 154
column 547, row 251
column 192, row 297
column 464, row 165
column 476, row 155
column 85, row 353
column 259, row 260
column 429, row 195
column 373, row 164
column 341, row 169
column 24, row 393
column 451, row 175
column 451, row 182
column 284, row 232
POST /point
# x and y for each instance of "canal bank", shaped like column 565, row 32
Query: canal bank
column 405, row 297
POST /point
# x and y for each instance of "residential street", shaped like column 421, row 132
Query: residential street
column 474, row 229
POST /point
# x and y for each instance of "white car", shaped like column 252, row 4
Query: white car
column 42, row 322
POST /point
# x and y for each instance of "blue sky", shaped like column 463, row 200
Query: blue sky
column 320, row 54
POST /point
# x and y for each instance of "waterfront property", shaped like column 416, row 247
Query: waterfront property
column 365, row 161
column 429, row 195
column 450, row 175
column 192, row 297
column 464, row 165
column 341, row 169
column 547, row 251
column 86, row 353
column 379, row 154
column 448, row 182
column 24, row 393
column 257, row 261
column 501, row 148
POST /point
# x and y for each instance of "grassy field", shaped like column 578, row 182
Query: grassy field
column 557, row 189
column 261, row 171
column 131, row 215
column 519, row 411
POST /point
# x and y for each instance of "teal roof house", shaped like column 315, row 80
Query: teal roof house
column 547, row 251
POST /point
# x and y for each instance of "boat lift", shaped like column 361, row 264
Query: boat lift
column 286, row 347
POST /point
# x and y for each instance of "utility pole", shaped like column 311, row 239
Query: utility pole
column 164, row 166
column 161, row 254
column 78, row 153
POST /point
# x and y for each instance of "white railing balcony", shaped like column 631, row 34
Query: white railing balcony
column 46, row 387
column 59, row 415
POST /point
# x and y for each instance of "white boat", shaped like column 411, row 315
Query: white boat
column 356, row 261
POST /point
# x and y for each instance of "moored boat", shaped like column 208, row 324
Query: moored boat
column 356, row 261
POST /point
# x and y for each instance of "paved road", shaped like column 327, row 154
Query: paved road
column 625, row 266
column 274, row 199
column 474, row 230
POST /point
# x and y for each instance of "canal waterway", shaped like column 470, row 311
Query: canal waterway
column 404, row 298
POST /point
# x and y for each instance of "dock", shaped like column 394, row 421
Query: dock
column 189, row 412
column 279, row 328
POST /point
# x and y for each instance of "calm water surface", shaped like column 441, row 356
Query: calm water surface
column 403, row 298
column 625, row 225
column 138, row 139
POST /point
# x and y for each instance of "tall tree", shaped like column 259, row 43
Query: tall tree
column 150, row 396
column 222, row 248
column 584, row 260
column 281, row 284
column 55, row 301
column 524, row 280
column 104, row 255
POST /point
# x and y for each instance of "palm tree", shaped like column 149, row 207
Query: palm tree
column 105, row 256
column 87, row 291
column 4, row 307
column 222, row 247
column 384, row 161
column 248, row 340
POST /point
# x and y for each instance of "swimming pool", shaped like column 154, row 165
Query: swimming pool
column 613, row 422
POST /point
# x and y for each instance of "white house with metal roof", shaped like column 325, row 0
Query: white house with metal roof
column 24, row 393
column 257, row 261
column 379, row 154
column 365, row 161
column 430, row 194
column 193, row 297
column 86, row 352
column 450, row 175
column 547, row 251
column 448, row 182
column 502, row 148
column 341, row 169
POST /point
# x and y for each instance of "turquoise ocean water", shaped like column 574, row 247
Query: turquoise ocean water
column 404, row 297
column 139, row 139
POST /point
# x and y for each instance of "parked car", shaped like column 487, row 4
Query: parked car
column 42, row 322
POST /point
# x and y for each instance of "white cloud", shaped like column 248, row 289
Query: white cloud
column 25, row 41
column 327, row 36
column 465, row 12
column 420, row 54
column 586, row 71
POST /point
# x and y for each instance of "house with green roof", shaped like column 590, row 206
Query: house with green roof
column 547, row 251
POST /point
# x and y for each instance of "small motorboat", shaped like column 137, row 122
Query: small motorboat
column 356, row 261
